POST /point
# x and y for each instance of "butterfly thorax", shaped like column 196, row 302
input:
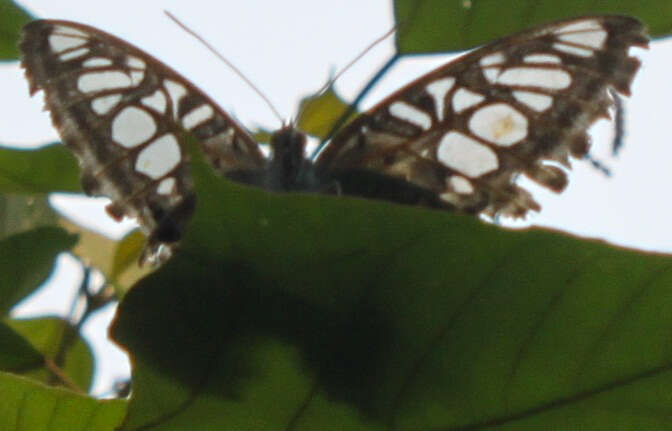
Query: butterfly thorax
column 288, row 169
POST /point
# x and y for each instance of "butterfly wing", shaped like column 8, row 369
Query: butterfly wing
column 125, row 115
column 522, row 104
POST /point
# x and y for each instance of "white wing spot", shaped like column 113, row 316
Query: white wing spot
column 542, row 58
column 491, row 74
column 464, row 99
column 500, row 124
column 71, row 55
column 556, row 79
column 573, row 50
column 593, row 39
column 221, row 140
column 538, row 102
column 450, row 197
column 461, row 185
column 489, row 60
column 100, row 81
column 589, row 24
column 135, row 62
column 132, row 126
column 176, row 91
column 137, row 77
column 197, row 116
column 159, row 158
column 59, row 42
column 69, row 31
column 166, row 186
column 438, row 90
column 157, row 101
column 97, row 62
column 411, row 114
column 104, row 104
column 466, row 155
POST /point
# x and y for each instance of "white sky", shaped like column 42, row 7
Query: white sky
column 288, row 49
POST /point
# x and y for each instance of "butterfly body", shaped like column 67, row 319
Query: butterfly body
column 456, row 138
column 288, row 168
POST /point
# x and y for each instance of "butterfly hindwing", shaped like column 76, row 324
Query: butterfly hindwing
column 522, row 104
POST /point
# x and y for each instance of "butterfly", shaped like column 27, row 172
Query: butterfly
column 455, row 138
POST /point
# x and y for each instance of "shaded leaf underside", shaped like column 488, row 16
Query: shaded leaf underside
column 395, row 317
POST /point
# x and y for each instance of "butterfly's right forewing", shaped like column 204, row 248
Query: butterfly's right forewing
column 521, row 105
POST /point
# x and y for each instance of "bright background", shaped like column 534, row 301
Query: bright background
column 289, row 49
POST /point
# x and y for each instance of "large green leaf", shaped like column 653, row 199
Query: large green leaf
column 26, row 260
column 30, row 406
column 310, row 312
column 49, row 169
column 439, row 25
column 12, row 20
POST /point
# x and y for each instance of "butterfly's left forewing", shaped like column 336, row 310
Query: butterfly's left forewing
column 519, row 105
column 126, row 115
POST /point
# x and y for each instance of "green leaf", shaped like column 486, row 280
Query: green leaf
column 22, row 212
column 128, row 252
column 16, row 353
column 52, row 168
column 48, row 335
column 12, row 20
column 115, row 259
column 318, row 113
column 30, row 406
column 312, row 312
column 26, row 261
column 438, row 25
column 125, row 269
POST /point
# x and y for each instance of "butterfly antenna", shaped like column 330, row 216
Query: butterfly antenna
column 358, row 57
column 228, row 63
column 352, row 107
